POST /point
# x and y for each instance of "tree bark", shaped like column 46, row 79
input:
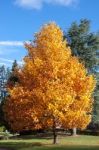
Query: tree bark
column 74, row 131
column 54, row 132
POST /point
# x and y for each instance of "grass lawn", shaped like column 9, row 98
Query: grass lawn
column 65, row 143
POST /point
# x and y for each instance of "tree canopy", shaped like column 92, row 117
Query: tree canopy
column 54, row 89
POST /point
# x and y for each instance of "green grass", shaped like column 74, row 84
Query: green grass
column 65, row 143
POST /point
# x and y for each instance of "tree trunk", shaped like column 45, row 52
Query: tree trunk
column 74, row 131
column 54, row 132
column 55, row 137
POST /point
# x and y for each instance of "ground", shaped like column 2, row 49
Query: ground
column 65, row 143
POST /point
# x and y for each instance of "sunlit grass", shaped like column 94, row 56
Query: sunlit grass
column 65, row 143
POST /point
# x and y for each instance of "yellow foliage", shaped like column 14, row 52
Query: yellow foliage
column 54, row 85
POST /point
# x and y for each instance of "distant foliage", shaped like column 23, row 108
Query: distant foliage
column 4, row 75
column 84, row 43
column 13, row 77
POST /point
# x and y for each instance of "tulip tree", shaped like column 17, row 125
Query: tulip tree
column 54, row 89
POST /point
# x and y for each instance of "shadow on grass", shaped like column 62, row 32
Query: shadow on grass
column 19, row 145
column 73, row 148
column 23, row 137
column 63, row 148
column 40, row 146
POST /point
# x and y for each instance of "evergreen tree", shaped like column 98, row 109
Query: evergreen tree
column 8, row 72
column 3, row 81
column 96, row 104
column 13, row 78
column 4, row 75
column 85, row 45
column 14, row 65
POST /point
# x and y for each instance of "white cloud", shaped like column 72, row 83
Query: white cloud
column 11, row 43
column 11, row 50
column 2, row 63
column 5, row 61
column 8, row 50
column 37, row 4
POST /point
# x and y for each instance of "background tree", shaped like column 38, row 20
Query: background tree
column 85, row 45
column 95, row 119
column 54, row 88
column 4, row 75
column 3, row 81
column 13, row 77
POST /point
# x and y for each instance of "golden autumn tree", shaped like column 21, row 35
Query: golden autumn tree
column 54, row 89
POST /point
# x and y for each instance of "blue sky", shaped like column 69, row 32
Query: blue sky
column 20, row 19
